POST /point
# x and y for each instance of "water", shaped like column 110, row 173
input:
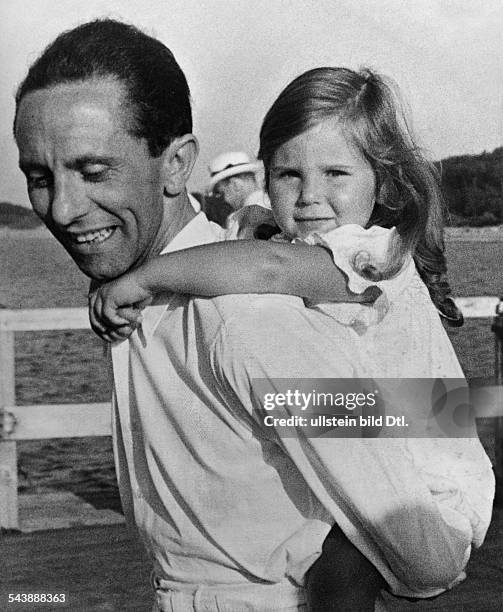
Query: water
column 56, row 367
column 68, row 366
column 475, row 269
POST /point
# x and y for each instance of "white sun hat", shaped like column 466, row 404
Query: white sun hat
column 230, row 164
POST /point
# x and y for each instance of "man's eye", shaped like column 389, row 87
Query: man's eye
column 95, row 175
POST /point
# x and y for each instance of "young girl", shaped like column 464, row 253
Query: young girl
column 343, row 172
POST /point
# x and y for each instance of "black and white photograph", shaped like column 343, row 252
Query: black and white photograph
column 251, row 306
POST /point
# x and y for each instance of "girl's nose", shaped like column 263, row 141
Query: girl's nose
column 310, row 193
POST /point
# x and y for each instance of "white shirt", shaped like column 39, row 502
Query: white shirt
column 218, row 500
column 196, row 205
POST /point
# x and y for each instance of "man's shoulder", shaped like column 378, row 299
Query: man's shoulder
column 244, row 310
column 246, row 315
column 276, row 333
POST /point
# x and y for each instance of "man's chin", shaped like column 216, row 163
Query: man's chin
column 99, row 269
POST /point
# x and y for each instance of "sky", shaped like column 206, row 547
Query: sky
column 445, row 55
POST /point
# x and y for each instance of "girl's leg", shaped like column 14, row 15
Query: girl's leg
column 342, row 579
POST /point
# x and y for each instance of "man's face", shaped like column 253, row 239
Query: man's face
column 95, row 186
column 232, row 191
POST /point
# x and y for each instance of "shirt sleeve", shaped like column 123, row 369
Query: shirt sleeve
column 369, row 486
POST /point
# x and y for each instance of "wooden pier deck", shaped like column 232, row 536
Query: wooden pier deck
column 102, row 569
column 99, row 568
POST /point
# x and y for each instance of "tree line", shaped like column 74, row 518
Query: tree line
column 473, row 188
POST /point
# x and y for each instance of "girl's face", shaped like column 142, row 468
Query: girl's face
column 319, row 181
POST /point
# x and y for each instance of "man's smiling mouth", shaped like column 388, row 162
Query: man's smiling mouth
column 92, row 237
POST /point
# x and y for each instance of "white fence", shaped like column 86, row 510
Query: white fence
column 80, row 420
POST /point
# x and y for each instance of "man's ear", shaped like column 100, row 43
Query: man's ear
column 179, row 159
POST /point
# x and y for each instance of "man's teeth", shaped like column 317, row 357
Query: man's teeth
column 97, row 236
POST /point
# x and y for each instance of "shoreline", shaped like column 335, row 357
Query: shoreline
column 36, row 232
column 493, row 233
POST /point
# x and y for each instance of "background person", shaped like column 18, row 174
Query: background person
column 235, row 179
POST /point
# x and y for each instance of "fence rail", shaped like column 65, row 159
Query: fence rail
column 80, row 420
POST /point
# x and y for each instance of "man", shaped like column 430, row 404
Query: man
column 234, row 178
column 103, row 125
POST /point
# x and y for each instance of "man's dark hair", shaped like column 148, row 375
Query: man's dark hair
column 158, row 95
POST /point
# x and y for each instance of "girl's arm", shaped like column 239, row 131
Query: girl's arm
column 246, row 266
column 236, row 266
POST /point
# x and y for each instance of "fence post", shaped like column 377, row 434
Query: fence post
column 8, row 450
column 497, row 328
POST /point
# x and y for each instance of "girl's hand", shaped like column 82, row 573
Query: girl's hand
column 115, row 307
column 369, row 296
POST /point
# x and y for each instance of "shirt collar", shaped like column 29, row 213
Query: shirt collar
column 197, row 231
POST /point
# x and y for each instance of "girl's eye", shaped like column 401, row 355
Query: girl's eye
column 288, row 174
column 282, row 174
column 334, row 172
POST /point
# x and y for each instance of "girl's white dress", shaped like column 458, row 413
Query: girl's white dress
column 401, row 336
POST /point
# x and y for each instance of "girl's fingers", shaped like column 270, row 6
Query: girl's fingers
column 112, row 317
column 108, row 321
column 95, row 320
column 100, row 330
column 120, row 334
column 124, row 332
column 144, row 303
column 114, row 335
column 130, row 314
column 371, row 294
column 100, row 322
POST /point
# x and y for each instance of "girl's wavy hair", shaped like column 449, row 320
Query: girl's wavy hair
column 408, row 196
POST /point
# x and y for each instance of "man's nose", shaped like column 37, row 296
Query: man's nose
column 69, row 203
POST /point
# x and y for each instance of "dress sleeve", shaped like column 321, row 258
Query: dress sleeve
column 351, row 246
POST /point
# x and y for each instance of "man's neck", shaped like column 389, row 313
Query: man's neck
column 177, row 213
